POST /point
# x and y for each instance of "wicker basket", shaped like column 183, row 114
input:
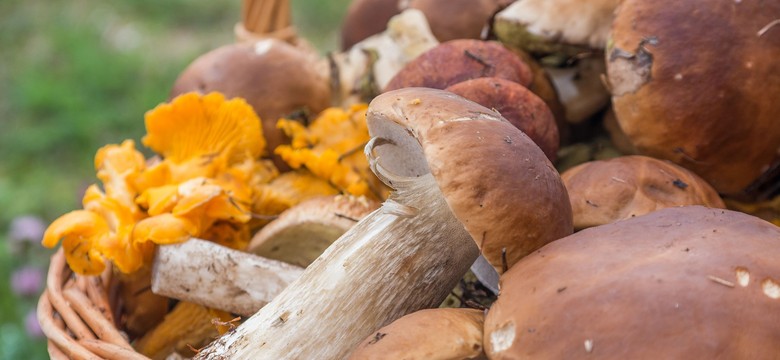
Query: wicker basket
column 77, row 317
column 76, row 312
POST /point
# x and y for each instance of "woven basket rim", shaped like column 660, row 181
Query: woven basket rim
column 76, row 316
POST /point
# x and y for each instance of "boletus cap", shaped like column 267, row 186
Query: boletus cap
column 606, row 191
column 679, row 283
column 365, row 18
column 700, row 87
column 304, row 231
column 459, row 60
column 457, row 19
column 517, row 104
column 481, row 163
column 431, row 334
column 274, row 77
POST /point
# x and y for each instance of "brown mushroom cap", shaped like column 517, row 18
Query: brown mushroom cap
column 274, row 77
column 602, row 192
column 457, row 19
column 679, row 283
column 700, row 87
column 432, row 334
column 459, row 60
column 304, row 231
column 517, row 104
column 494, row 178
column 448, row 19
column 365, row 18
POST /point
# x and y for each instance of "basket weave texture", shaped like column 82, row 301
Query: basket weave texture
column 77, row 317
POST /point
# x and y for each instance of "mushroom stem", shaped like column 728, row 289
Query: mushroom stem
column 401, row 258
column 208, row 274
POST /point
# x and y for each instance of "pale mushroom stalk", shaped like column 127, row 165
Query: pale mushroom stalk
column 340, row 292
column 410, row 253
column 206, row 273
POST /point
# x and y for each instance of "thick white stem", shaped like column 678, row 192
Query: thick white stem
column 208, row 274
column 390, row 264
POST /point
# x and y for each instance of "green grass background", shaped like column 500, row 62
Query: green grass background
column 79, row 74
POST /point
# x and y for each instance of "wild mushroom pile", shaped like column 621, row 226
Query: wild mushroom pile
column 526, row 179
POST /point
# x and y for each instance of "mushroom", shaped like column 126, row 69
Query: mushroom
column 517, row 104
column 545, row 27
column 205, row 273
column 365, row 18
column 606, row 191
column 460, row 60
column 457, row 19
column 678, row 283
column 274, row 77
column 431, row 334
column 449, row 19
column 304, row 231
column 447, row 159
column 568, row 36
column 702, row 93
column 359, row 74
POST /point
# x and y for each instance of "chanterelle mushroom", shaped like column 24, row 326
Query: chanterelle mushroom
column 462, row 174
column 274, row 77
column 679, row 283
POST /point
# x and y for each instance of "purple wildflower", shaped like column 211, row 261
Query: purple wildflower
column 32, row 326
column 27, row 281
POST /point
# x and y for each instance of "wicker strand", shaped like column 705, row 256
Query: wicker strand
column 54, row 282
column 69, row 347
column 104, row 329
column 111, row 351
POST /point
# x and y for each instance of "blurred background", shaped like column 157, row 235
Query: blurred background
column 74, row 76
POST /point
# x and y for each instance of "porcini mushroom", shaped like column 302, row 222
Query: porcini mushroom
column 678, row 283
column 431, row 334
column 449, row 19
column 274, row 77
column 460, row 60
column 702, row 93
column 517, row 104
column 569, row 37
column 606, row 191
column 365, row 18
column 457, row 19
column 304, row 231
column 463, row 177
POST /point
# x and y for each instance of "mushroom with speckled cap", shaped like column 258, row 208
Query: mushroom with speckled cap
column 679, row 283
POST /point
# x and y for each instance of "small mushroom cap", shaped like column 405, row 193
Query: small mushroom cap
column 274, row 77
column 365, row 18
column 679, row 283
column 517, row 104
column 457, row 19
column 605, row 191
column 432, row 334
column 700, row 88
column 459, row 60
column 304, row 231
column 494, row 178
